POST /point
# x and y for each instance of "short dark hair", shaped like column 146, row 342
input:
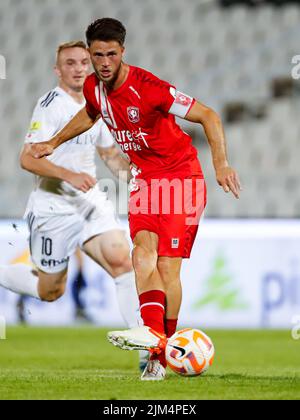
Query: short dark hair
column 106, row 29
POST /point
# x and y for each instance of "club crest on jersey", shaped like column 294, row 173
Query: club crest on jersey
column 180, row 98
column 133, row 114
column 183, row 99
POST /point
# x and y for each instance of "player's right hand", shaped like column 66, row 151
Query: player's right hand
column 228, row 178
column 39, row 150
column 82, row 181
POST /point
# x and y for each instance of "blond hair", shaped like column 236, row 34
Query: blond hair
column 71, row 44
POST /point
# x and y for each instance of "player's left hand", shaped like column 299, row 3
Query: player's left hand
column 228, row 178
column 39, row 150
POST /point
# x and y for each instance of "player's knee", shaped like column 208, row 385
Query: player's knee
column 167, row 272
column 51, row 290
column 144, row 259
column 119, row 258
column 52, row 295
column 119, row 261
column 119, row 267
column 164, row 268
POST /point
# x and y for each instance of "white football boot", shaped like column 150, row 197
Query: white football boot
column 154, row 371
column 144, row 356
column 140, row 338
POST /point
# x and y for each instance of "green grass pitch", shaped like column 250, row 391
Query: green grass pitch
column 79, row 363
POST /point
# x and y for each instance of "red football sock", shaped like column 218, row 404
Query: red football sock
column 152, row 305
column 170, row 327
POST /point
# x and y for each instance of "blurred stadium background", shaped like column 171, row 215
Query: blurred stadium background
column 236, row 57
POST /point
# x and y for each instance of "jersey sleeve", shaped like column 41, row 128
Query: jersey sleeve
column 182, row 103
column 105, row 138
column 44, row 124
column 168, row 99
column 89, row 94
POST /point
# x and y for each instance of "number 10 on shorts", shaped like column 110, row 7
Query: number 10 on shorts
column 2, row 328
column 46, row 246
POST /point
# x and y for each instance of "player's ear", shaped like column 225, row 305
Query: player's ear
column 57, row 71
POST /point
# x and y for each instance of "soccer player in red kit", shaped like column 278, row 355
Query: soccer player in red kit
column 168, row 192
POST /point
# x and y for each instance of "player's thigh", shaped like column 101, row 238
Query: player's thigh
column 52, row 241
column 195, row 205
column 145, row 251
column 172, row 235
column 103, row 239
column 110, row 250
column 143, row 217
column 178, row 230
column 147, row 240
column 143, row 225
column 52, row 286
column 144, row 229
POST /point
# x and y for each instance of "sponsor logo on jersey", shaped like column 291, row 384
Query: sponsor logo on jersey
column 130, row 140
column 35, row 126
column 133, row 114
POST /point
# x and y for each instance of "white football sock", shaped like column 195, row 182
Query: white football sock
column 128, row 299
column 20, row 279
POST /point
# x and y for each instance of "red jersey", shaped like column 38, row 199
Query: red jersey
column 141, row 117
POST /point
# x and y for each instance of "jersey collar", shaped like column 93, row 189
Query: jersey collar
column 67, row 96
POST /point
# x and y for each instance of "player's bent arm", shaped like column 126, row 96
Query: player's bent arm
column 43, row 167
column 213, row 127
column 118, row 164
column 79, row 124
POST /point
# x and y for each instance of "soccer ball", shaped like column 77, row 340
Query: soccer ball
column 190, row 352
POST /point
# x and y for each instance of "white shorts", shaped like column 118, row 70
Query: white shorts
column 54, row 239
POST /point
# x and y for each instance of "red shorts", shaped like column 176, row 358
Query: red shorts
column 172, row 210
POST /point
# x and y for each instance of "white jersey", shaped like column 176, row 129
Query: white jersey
column 51, row 196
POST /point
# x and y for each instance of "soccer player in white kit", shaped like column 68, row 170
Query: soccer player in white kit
column 67, row 208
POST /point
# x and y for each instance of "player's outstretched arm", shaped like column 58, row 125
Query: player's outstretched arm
column 226, row 176
column 116, row 163
column 43, row 167
column 79, row 124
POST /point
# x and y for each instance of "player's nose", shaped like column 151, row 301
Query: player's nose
column 105, row 62
column 79, row 70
